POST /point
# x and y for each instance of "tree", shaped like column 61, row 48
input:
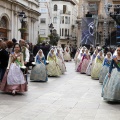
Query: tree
column 54, row 38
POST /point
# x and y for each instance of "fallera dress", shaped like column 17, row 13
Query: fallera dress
column 66, row 55
column 80, row 56
column 91, row 64
column 104, row 70
column 39, row 72
column 53, row 68
column 84, row 63
column 14, row 79
column 97, row 67
column 61, row 63
column 111, row 86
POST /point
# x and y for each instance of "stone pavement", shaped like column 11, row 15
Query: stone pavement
column 72, row 96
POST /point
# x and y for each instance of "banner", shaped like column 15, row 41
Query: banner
column 88, row 29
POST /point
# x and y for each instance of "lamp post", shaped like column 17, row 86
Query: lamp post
column 22, row 18
column 53, row 35
column 51, row 28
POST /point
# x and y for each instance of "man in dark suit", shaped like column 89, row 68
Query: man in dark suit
column 4, row 57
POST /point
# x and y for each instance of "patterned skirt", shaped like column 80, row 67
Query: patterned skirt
column 39, row 73
column 103, row 73
column 111, row 87
column 96, row 71
column 53, row 69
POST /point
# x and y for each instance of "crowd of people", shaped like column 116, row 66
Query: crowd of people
column 46, row 60
column 16, row 59
column 103, row 65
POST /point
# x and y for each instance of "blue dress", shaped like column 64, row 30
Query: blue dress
column 104, row 70
column 39, row 72
column 111, row 86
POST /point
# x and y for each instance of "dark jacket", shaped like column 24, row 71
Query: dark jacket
column 4, row 57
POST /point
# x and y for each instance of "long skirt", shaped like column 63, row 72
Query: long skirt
column 103, row 73
column 111, row 87
column 39, row 73
column 77, row 62
column 67, row 56
column 88, row 70
column 14, row 80
column 96, row 71
column 84, row 65
column 53, row 69
column 61, row 65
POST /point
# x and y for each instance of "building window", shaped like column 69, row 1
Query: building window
column 42, row 31
column 69, row 20
column 43, row 20
column 55, row 7
column 68, row 32
column 62, row 20
column 64, row 9
column 65, row 31
column 62, row 31
column 3, row 23
column 66, row 20
column 55, row 20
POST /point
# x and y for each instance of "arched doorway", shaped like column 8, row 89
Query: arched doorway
column 3, row 28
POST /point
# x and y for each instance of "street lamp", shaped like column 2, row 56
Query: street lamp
column 22, row 18
column 51, row 28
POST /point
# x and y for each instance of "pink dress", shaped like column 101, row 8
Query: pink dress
column 84, row 63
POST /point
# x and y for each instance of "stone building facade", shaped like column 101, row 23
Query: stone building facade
column 105, row 24
column 10, row 23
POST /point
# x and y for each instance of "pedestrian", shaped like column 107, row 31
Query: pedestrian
column 84, row 62
column 14, row 80
column 60, row 61
column 111, row 85
column 53, row 67
column 105, row 67
column 39, row 71
column 97, row 65
column 26, row 54
column 67, row 56
column 4, row 57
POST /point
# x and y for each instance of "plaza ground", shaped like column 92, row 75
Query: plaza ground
column 72, row 96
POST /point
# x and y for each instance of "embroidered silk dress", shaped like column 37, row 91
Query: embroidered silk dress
column 15, row 79
column 39, row 72
column 84, row 63
column 111, row 86
column 61, row 63
column 97, row 67
column 104, row 70
column 91, row 64
column 53, row 67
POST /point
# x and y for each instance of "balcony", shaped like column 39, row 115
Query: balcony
column 67, row 12
column 71, row 1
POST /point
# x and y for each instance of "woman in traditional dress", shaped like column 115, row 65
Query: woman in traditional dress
column 97, row 66
column 80, row 56
column 105, row 67
column 60, row 61
column 84, row 62
column 14, row 80
column 39, row 72
column 53, row 67
column 67, row 56
column 76, row 59
column 111, row 84
column 91, row 64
